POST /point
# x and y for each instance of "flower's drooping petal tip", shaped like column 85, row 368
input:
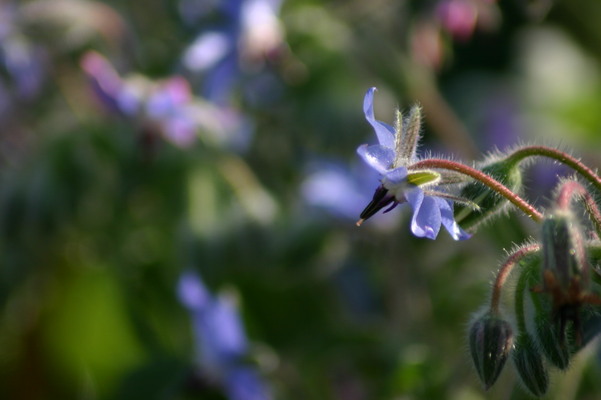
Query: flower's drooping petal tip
column 384, row 131
column 446, row 213
column 378, row 157
column 368, row 104
column 426, row 218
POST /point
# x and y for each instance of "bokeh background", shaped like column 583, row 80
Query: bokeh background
column 146, row 141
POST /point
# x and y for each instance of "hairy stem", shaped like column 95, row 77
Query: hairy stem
column 519, row 300
column 487, row 180
column 562, row 157
column 571, row 190
column 504, row 272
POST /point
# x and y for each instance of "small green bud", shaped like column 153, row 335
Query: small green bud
column 491, row 340
column 490, row 203
column 529, row 364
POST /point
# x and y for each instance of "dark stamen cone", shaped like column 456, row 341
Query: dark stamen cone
column 380, row 200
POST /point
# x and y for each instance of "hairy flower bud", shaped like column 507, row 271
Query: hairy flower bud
column 529, row 365
column 490, row 340
column 490, row 203
column 552, row 341
column 566, row 277
column 564, row 255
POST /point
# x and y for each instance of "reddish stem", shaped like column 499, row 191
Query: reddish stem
column 560, row 156
column 504, row 272
column 571, row 190
column 493, row 184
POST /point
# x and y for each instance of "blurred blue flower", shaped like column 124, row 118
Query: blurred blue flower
column 340, row 190
column 392, row 158
column 23, row 63
column 248, row 32
column 221, row 341
column 167, row 104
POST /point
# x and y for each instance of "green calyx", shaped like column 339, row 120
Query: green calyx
column 530, row 366
column 423, row 177
column 490, row 203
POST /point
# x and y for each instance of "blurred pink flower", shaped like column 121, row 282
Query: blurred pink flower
column 458, row 17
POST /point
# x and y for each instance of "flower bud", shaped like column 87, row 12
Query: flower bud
column 552, row 341
column 490, row 203
column 529, row 365
column 564, row 255
column 491, row 340
column 566, row 282
column 591, row 327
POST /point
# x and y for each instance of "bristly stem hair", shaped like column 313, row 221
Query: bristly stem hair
column 487, row 180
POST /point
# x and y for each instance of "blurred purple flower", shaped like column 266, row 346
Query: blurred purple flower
column 333, row 188
column 244, row 383
column 249, row 31
column 23, row 63
column 168, row 104
column 341, row 191
column 392, row 158
column 220, row 339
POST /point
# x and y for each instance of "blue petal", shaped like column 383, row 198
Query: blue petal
column 219, row 334
column 397, row 175
column 426, row 214
column 378, row 157
column 192, row 293
column 244, row 383
column 448, row 220
column 384, row 131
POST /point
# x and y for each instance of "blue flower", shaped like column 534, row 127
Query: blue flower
column 339, row 190
column 393, row 158
column 221, row 341
column 249, row 33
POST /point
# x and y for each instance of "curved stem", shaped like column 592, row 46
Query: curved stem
column 504, row 272
column 569, row 191
column 493, row 184
column 557, row 155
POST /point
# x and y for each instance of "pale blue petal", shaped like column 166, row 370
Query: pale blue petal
column 397, row 175
column 192, row 292
column 448, row 220
column 244, row 383
column 384, row 131
column 426, row 214
column 219, row 334
column 378, row 157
